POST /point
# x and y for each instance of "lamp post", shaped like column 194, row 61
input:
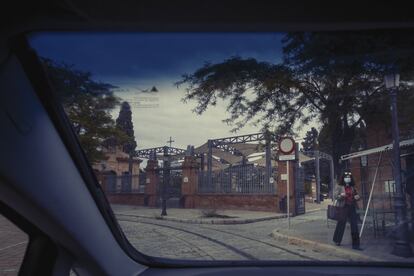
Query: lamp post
column 364, row 162
column 165, row 181
column 401, row 246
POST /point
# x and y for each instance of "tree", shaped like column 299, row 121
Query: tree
column 124, row 123
column 335, row 78
column 310, row 144
column 87, row 104
column 311, row 140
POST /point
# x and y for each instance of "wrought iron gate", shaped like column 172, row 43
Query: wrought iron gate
column 126, row 185
column 110, row 180
column 300, row 190
column 244, row 179
column 169, row 188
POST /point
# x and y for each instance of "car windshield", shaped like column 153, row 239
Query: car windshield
column 294, row 146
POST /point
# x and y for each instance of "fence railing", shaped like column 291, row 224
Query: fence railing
column 123, row 184
column 238, row 180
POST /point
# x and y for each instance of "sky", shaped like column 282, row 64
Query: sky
column 138, row 61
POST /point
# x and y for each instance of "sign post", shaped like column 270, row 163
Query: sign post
column 288, row 193
column 287, row 148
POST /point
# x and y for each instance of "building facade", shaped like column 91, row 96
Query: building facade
column 113, row 172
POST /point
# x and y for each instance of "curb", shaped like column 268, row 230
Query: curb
column 323, row 247
column 314, row 210
column 206, row 221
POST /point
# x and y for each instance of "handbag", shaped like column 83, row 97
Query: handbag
column 335, row 212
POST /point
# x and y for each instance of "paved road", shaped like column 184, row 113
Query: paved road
column 216, row 242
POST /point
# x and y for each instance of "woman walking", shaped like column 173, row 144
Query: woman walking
column 347, row 197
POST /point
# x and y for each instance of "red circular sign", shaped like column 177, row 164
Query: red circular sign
column 286, row 145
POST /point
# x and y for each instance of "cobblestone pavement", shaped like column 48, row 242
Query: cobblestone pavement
column 308, row 238
column 13, row 244
column 215, row 242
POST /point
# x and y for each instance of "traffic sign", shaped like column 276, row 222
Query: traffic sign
column 286, row 145
column 288, row 157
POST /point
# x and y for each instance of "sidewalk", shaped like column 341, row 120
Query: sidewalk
column 314, row 231
column 196, row 215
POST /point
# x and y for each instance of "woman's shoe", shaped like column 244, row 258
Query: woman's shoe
column 338, row 243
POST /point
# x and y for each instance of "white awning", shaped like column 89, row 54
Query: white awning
column 243, row 148
column 246, row 149
column 262, row 162
column 201, row 149
column 227, row 156
column 216, row 165
column 403, row 143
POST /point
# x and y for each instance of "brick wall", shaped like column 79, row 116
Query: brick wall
column 253, row 202
column 127, row 199
column 191, row 199
column 377, row 135
column 258, row 202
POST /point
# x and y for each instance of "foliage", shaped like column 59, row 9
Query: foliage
column 124, row 123
column 253, row 88
column 87, row 104
column 310, row 144
column 308, row 188
column 311, row 140
column 334, row 78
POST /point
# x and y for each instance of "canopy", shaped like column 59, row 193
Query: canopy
column 403, row 143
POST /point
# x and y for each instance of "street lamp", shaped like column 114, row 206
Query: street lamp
column 165, row 181
column 364, row 161
column 401, row 246
column 392, row 80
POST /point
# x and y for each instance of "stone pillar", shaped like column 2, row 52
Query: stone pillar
column 152, row 183
column 282, row 183
column 190, row 182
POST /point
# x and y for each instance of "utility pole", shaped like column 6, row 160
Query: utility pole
column 318, row 177
column 332, row 181
column 210, row 164
column 165, row 181
column 401, row 246
column 268, row 161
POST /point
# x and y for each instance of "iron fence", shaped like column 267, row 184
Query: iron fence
column 381, row 204
column 299, row 190
column 123, row 184
column 246, row 179
column 173, row 180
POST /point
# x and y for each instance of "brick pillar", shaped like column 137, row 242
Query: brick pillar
column 152, row 183
column 282, row 184
column 190, row 182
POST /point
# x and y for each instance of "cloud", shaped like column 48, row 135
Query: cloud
column 172, row 117
column 152, row 55
column 137, row 61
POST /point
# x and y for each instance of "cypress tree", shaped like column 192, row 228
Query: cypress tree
column 124, row 123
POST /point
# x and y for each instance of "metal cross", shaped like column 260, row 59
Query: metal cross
column 170, row 141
